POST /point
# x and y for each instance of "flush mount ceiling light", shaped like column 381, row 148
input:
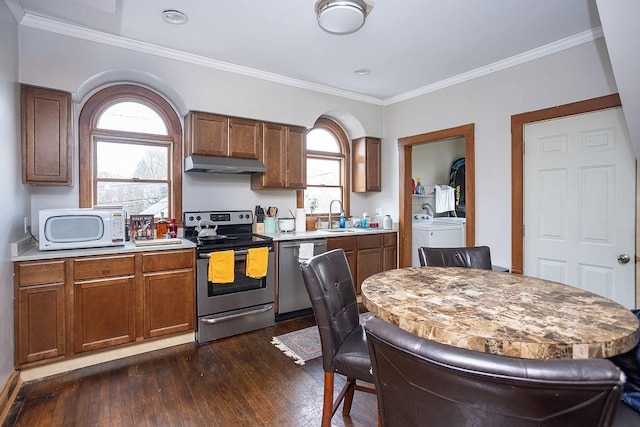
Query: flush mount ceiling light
column 341, row 16
column 174, row 17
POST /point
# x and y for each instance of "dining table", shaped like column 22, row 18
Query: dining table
column 501, row 313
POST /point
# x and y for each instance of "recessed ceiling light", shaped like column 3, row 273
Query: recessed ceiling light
column 362, row 72
column 173, row 16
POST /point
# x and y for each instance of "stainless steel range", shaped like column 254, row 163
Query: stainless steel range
column 230, row 308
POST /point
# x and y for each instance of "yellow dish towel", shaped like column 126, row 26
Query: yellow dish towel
column 221, row 267
column 257, row 259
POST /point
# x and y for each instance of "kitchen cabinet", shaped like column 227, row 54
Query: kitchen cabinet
column 389, row 251
column 169, row 304
column 40, row 331
column 104, row 302
column 284, row 156
column 367, row 254
column 216, row 135
column 71, row 306
column 366, row 174
column 47, row 146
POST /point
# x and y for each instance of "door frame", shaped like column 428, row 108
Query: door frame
column 405, row 146
column 518, row 122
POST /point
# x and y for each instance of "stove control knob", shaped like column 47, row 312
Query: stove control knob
column 198, row 218
column 190, row 217
column 247, row 216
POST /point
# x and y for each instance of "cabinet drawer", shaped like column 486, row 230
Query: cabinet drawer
column 167, row 260
column 389, row 239
column 95, row 268
column 40, row 273
column 347, row 243
column 369, row 241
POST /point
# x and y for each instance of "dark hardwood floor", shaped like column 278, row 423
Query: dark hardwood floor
column 238, row 381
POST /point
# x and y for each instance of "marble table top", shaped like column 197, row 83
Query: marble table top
column 501, row 313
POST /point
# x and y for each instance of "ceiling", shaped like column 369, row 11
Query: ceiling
column 409, row 45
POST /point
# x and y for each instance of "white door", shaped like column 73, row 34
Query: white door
column 579, row 203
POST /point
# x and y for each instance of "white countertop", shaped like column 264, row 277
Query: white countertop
column 33, row 253
column 324, row 233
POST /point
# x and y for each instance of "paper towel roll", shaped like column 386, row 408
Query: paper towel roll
column 301, row 220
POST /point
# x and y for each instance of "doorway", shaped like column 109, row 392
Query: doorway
column 405, row 147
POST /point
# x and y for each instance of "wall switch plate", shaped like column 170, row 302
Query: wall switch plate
column 378, row 211
column 27, row 225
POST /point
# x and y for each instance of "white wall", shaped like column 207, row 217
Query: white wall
column 576, row 74
column 14, row 196
column 80, row 66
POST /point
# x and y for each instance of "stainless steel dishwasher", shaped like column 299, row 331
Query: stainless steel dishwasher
column 292, row 294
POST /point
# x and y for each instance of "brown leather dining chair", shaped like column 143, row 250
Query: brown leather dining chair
column 328, row 280
column 422, row 382
column 469, row 257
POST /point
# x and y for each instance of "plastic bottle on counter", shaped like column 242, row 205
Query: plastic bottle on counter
column 342, row 221
column 173, row 228
column 387, row 223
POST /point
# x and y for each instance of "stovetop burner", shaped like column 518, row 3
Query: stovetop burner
column 234, row 231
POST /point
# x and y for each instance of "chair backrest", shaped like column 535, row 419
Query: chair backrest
column 419, row 380
column 470, row 257
column 329, row 283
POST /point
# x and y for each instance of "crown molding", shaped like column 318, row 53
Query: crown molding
column 54, row 26
column 551, row 48
column 16, row 9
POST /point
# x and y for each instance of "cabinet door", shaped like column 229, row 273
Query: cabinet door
column 207, row 134
column 273, row 157
column 46, row 137
column 373, row 165
column 389, row 258
column 390, row 251
column 245, row 138
column 40, row 324
column 296, row 158
column 368, row 263
column 366, row 165
column 104, row 313
column 168, row 303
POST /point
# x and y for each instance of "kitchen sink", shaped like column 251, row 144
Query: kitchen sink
column 340, row 230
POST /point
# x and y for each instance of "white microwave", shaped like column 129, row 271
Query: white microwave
column 81, row 228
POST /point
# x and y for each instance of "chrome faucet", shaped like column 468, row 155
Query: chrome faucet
column 428, row 209
column 330, row 225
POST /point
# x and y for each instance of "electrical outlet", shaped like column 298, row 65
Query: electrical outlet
column 27, row 225
column 378, row 211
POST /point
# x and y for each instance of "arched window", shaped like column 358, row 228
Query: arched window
column 327, row 168
column 130, row 152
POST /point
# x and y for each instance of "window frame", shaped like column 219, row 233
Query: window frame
column 88, row 130
column 332, row 126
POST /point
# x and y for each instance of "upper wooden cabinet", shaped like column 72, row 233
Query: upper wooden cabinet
column 284, row 156
column 215, row 135
column 366, row 165
column 47, row 148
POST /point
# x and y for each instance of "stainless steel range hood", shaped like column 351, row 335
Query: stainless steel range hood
column 215, row 164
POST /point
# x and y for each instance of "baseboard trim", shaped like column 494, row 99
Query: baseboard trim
column 62, row 366
column 8, row 395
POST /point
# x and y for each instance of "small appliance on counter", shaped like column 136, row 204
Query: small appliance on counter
column 286, row 225
column 79, row 228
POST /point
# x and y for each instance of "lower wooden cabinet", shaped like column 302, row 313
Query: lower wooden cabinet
column 40, row 325
column 367, row 254
column 104, row 313
column 71, row 306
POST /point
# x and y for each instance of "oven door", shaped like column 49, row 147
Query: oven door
column 242, row 293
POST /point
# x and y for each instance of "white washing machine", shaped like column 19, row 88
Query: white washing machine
column 436, row 233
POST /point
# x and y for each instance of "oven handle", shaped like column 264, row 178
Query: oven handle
column 236, row 253
column 298, row 245
column 235, row 316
